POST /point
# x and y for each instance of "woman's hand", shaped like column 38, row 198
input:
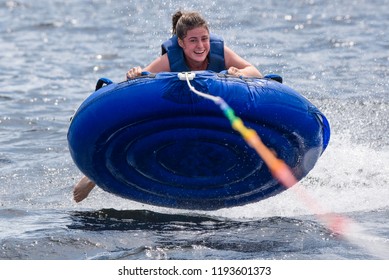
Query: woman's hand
column 134, row 72
column 235, row 71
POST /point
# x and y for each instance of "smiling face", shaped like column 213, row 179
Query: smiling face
column 196, row 47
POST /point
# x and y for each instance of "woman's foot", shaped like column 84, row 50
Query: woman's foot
column 82, row 189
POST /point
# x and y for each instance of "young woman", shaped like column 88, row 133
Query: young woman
column 196, row 45
column 192, row 48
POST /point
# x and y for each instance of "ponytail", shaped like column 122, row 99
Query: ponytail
column 182, row 22
column 175, row 19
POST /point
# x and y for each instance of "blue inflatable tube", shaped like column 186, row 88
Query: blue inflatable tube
column 152, row 140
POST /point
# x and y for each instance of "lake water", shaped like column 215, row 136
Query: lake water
column 336, row 53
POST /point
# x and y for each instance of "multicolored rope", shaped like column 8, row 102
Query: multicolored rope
column 277, row 167
column 338, row 224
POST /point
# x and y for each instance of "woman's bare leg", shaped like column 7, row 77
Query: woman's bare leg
column 82, row 189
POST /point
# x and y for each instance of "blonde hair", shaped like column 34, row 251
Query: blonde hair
column 184, row 21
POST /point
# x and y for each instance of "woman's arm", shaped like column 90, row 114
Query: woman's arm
column 238, row 66
column 160, row 64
